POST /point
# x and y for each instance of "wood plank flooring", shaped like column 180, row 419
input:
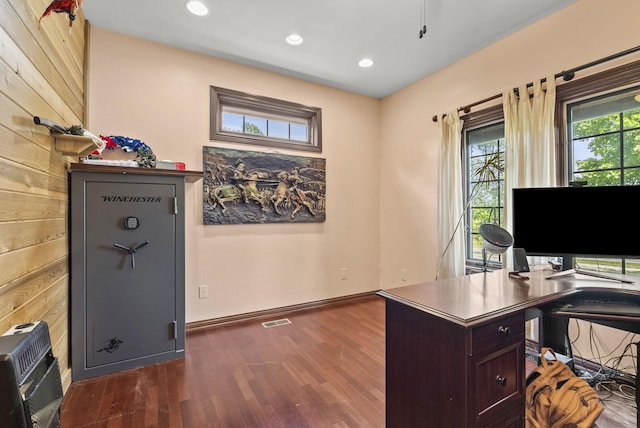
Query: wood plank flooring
column 325, row 369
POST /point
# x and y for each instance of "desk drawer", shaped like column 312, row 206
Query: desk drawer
column 498, row 384
column 497, row 334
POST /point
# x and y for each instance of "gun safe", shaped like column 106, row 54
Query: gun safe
column 127, row 268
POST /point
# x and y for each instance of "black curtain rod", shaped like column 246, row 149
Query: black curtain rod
column 566, row 76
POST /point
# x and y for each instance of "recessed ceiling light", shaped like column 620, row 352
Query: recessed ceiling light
column 196, row 7
column 294, row 39
column 365, row 62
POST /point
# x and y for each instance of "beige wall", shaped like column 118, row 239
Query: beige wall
column 160, row 95
column 583, row 32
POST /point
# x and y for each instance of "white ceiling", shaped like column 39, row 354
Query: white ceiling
column 337, row 34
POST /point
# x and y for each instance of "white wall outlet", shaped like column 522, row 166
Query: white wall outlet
column 344, row 273
column 203, row 292
column 403, row 274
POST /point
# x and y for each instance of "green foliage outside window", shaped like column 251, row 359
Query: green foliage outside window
column 250, row 128
column 606, row 151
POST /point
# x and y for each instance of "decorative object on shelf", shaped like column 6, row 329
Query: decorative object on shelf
column 262, row 187
column 62, row 6
column 74, row 140
column 495, row 240
column 144, row 155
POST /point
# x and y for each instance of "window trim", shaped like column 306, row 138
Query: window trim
column 222, row 97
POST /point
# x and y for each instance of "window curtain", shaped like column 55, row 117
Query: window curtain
column 451, row 242
column 529, row 142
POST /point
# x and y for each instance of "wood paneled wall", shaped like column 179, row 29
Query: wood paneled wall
column 42, row 74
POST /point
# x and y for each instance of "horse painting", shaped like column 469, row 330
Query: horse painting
column 252, row 187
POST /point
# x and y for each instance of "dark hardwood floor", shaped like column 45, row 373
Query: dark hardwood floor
column 325, row 369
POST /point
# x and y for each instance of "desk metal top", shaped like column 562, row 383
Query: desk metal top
column 477, row 298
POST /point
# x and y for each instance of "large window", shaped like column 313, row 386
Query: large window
column 604, row 149
column 484, row 186
column 244, row 118
column 598, row 126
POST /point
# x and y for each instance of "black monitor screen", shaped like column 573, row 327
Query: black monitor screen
column 578, row 221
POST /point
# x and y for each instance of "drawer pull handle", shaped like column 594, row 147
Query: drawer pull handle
column 501, row 380
column 504, row 330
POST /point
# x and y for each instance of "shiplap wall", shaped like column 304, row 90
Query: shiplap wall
column 42, row 72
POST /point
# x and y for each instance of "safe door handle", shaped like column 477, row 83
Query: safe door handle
column 131, row 251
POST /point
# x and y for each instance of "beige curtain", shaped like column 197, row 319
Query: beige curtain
column 451, row 242
column 529, row 142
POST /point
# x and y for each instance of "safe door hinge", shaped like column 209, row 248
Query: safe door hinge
column 175, row 205
column 173, row 328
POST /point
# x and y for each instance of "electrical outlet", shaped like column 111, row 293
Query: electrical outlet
column 403, row 274
column 203, row 292
column 344, row 273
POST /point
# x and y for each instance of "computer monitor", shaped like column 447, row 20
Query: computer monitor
column 577, row 221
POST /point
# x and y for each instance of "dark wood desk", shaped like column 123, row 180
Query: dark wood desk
column 455, row 347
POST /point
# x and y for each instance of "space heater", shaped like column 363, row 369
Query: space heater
column 30, row 385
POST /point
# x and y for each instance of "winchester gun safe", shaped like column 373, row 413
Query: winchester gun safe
column 127, row 269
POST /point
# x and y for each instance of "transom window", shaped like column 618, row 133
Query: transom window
column 241, row 121
column 243, row 118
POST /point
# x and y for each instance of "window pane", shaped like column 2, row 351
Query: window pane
column 480, row 215
column 599, row 178
column 596, row 126
column 633, row 266
column 255, row 125
column 631, row 119
column 602, row 113
column 632, row 176
column 486, row 195
column 488, row 133
column 600, row 265
column 299, row 132
column 485, row 171
column 278, row 129
column 597, row 153
column 476, row 247
column 631, row 148
column 232, row 122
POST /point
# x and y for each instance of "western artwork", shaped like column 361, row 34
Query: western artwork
column 254, row 187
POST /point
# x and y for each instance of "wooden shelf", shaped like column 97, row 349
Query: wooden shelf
column 74, row 145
